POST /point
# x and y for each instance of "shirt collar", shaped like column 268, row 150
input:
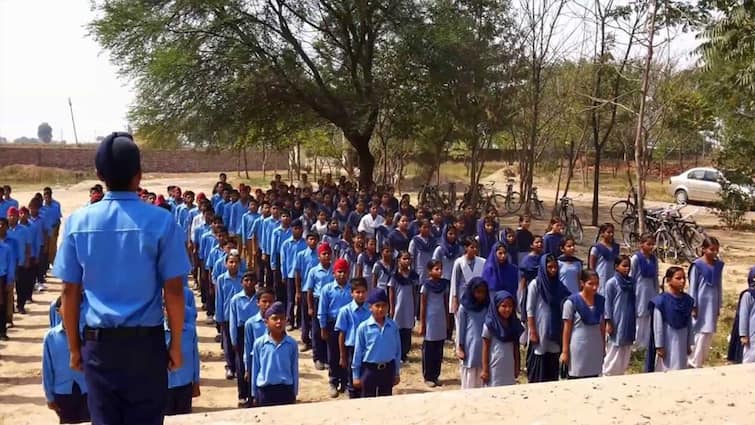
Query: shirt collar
column 371, row 321
column 270, row 340
column 355, row 306
column 126, row 196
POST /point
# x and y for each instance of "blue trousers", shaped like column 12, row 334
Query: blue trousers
column 72, row 408
column 336, row 374
column 179, row 400
column 377, row 382
column 306, row 321
column 127, row 378
column 243, row 387
column 293, row 314
column 319, row 347
column 276, row 395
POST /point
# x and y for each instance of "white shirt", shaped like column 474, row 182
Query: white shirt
column 195, row 222
column 368, row 224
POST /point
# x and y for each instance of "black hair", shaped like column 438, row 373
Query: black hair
column 709, row 242
column 222, row 229
column 469, row 241
column 164, row 206
column 620, row 259
column 647, row 237
column 562, row 245
column 250, row 275
column 432, row 263
column 358, row 282
column 605, row 226
column 265, row 291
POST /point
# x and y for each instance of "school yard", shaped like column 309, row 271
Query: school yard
column 22, row 400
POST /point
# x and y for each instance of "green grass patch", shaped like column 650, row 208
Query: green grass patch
column 20, row 176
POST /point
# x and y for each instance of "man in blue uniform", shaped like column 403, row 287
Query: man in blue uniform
column 126, row 255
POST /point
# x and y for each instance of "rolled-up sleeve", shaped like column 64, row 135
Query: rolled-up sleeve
column 67, row 266
column 173, row 261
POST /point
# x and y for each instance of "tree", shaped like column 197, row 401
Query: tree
column 323, row 55
column 44, row 132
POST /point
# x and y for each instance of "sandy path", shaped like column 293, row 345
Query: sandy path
column 21, row 395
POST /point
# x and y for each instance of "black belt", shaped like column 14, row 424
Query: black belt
column 102, row 334
column 377, row 366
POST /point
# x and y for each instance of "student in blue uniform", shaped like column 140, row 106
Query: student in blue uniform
column 524, row 237
column 448, row 251
column 603, row 255
column 305, row 260
column 183, row 383
column 569, row 266
column 333, row 297
column 349, row 318
column 255, row 327
column 247, row 231
column 377, row 350
column 124, row 354
column 465, row 269
column 316, row 279
column 434, row 320
column 280, row 235
column 644, row 271
column 499, row 272
column 621, row 318
column 487, row 235
column 706, row 288
column 545, row 297
column 584, row 331
column 366, row 260
column 243, row 307
column 401, row 293
column 53, row 213
column 228, row 284
column 500, row 342
column 421, row 248
column 508, row 238
column 268, row 226
column 290, row 248
column 471, row 318
column 383, row 269
column 671, row 333
column 552, row 239
column 65, row 388
column 743, row 326
column 8, row 264
column 275, row 362
column 24, row 241
column 400, row 237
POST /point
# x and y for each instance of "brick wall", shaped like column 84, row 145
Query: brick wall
column 181, row 160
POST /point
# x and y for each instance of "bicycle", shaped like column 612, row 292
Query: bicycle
column 572, row 224
column 431, row 196
column 624, row 208
column 537, row 210
column 512, row 199
column 487, row 197
column 677, row 238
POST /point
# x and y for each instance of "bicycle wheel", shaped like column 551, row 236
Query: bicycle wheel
column 499, row 202
column 575, row 230
column 537, row 209
column 666, row 249
column 693, row 236
column 630, row 231
column 621, row 209
column 513, row 202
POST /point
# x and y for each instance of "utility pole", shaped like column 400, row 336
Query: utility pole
column 73, row 121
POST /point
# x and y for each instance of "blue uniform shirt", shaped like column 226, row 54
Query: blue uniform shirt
column 305, row 260
column 208, row 241
column 268, row 227
column 224, row 210
column 227, row 286
column 332, row 297
column 243, row 307
column 349, row 318
column 21, row 238
column 220, row 267
column 55, row 317
column 257, row 230
column 8, row 261
column 35, row 236
column 122, row 251
column 288, row 253
column 196, row 237
column 237, row 212
column 316, row 279
column 52, row 213
column 247, row 225
column 279, row 236
column 376, row 345
column 188, row 373
column 254, row 328
column 57, row 375
column 215, row 253
column 275, row 363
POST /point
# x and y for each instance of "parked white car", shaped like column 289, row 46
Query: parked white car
column 700, row 184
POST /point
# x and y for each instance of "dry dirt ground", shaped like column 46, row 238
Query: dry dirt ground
column 21, row 396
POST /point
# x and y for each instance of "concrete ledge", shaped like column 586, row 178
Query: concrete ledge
column 722, row 395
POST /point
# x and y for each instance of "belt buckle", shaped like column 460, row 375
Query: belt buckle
column 382, row 366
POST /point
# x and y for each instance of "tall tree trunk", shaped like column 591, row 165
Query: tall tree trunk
column 596, row 185
column 639, row 137
column 361, row 144
column 246, row 165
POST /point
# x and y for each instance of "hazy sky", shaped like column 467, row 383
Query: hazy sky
column 45, row 58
